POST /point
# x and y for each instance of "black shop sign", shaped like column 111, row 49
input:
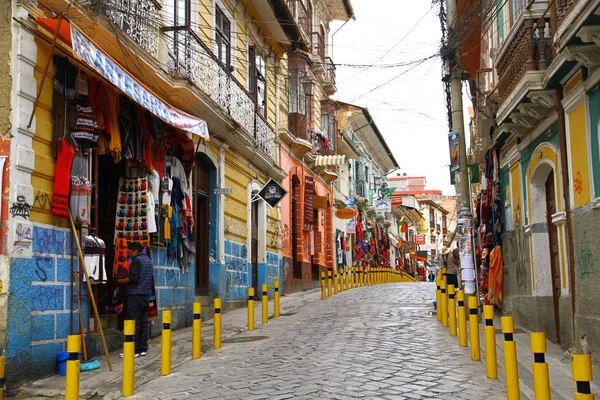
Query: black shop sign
column 272, row 193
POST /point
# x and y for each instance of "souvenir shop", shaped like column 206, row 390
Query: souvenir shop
column 488, row 229
column 372, row 240
column 123, row 166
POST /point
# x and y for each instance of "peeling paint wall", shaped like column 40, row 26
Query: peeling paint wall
column 5, row 127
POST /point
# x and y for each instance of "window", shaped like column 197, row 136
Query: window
column 257, row 79
column 296, row 92
column 223, row 37
column 179, row 37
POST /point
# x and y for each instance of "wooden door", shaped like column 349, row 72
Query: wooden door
column 554, row 252
column 254, row 244
column 202, row 226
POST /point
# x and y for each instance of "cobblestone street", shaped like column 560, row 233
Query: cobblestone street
column 375, row 342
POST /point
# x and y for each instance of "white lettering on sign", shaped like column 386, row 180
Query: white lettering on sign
column 223, row 191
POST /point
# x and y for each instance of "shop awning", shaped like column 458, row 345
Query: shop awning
column 86, row 51
column 330, row 160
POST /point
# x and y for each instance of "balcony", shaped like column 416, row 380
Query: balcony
column 329, row 81
column 191, row 59
column 525, row 51
column 318, row 47
column 302, row 13
column 136, row 18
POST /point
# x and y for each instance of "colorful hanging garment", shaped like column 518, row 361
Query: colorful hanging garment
column 132, row 219
column 62, row 179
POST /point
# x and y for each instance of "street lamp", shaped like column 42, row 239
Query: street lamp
column 309, row 88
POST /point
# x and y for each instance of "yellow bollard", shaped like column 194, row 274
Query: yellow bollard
column 2, row 381
column 329, row 293
column 335, row 282
column 322, row 285
column 197, row 331
column 444, row 305
column 265, row 303
column 128, row 358
column 346, row 279
column 276, row 299
column 165, row 364
column 474, row 328
column 438, row 296
column 513, row 392
column 541, row 379
column 581, row 367
column 491, row 365
column 73, row 368
column 250, row 308
column 462, row 319
column 218, row 324
column 452, row 310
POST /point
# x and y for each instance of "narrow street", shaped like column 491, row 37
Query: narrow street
column 377, row 342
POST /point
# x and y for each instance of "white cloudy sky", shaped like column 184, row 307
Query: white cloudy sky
column 406, row 102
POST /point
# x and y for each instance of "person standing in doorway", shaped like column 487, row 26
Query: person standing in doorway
column 139, row 288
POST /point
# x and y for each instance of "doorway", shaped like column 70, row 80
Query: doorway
column 554, row 252
column 201, row 189
column 254, row 241
column 297, row 269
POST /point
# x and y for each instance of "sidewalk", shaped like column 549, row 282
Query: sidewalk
column 104, row 384
column 562, row 385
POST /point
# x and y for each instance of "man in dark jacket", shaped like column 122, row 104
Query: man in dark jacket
column 139, row 288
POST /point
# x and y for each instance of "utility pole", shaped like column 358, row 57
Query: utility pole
column 465, row 216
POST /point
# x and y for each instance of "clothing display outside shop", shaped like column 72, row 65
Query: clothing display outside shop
column 488, row 224
column 94, row 121
column 372, row 248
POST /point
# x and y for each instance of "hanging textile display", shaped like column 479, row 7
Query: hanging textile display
column 62, row 179
column 94, row 251
column 132, row 218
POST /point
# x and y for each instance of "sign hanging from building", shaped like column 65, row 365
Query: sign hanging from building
column 309, row 206
column 383, row 206
column 85, row 50
column 272, row 193
column 351, row 225
column 397, row 201
column 453, row 139
column 320, row 201
column 419, row 239
column 345, row 213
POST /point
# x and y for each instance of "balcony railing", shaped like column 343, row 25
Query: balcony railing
column 302, row 15
column 330, row 70
column 527, row 50
column 563, row 7
column 191, row 59
column 318, row 46
column 136, row 18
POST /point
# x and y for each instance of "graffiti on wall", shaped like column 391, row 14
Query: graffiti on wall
column 42, row 201
column 23, row 238
column 578, row 183
column 47, row 298
column 20, row 208
column 279, row 237
column 585, row 257
column 515, row 255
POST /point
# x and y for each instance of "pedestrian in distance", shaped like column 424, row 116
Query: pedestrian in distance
column 451, row 260
column 138, row 291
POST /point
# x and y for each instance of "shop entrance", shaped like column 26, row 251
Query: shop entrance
column 202, row 226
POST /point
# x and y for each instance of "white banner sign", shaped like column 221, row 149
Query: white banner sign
column 86, row 51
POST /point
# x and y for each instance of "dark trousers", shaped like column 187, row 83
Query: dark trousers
column 452, row 279
column 137, row 309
